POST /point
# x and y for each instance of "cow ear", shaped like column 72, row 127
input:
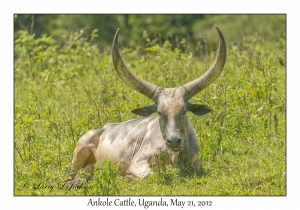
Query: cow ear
column 145, row 111
column 198, row 109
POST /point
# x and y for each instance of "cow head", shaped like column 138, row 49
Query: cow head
column 171, row 104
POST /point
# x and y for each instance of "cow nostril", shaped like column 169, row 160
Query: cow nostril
column 174, row 141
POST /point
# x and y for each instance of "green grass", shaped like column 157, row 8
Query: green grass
column 63, row 90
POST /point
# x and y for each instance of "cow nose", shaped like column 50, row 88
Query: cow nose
column 174, row 142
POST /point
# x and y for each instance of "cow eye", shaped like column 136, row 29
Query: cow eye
column 159, row 113
column 184, row 112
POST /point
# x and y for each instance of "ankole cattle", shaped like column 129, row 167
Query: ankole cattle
column 132, row 144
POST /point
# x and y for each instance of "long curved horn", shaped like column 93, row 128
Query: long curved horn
column 212, row 73
column 144, row 87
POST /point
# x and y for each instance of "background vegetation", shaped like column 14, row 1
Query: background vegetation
column 65, row 84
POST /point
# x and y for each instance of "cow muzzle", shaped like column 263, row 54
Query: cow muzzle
column 175, row 144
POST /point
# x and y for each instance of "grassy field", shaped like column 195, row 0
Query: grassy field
column 63, row 90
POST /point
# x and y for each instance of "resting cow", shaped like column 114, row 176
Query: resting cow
column 132, row 144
